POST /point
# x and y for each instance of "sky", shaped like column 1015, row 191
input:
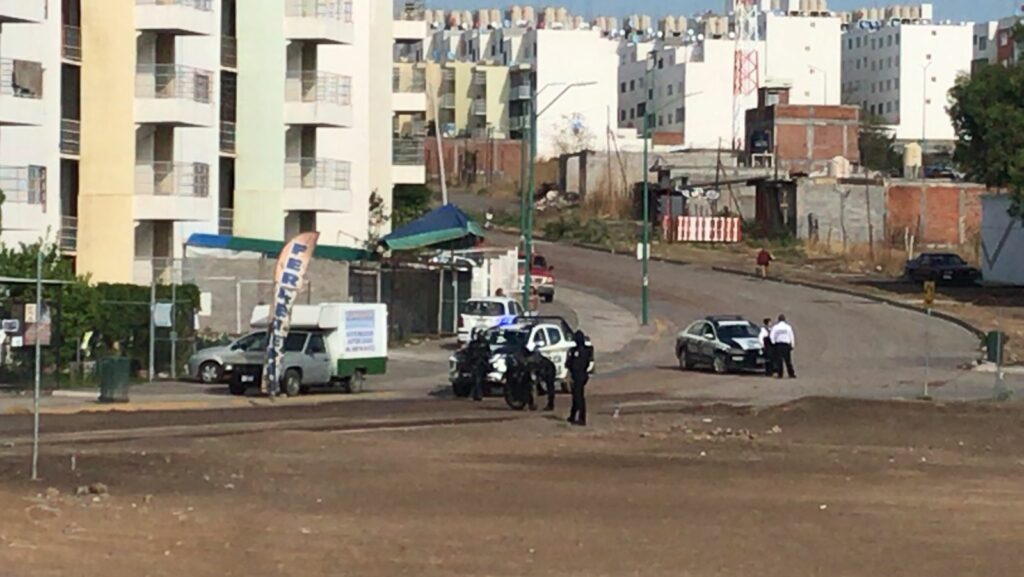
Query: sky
column 972, row 10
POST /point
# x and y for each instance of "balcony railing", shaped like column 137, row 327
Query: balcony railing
column 522, row 92
column 173, row 179
column 68, row 237
column 204, row 5
column 70, row 136
column 23, row 184
column 408, row 152
column 21, row 78
column 479, row 79
column 479, row 107
column 164, row 81
column 227, row 137
column 71, row 47
column 229, row 52
column 226, row 221
column 336, row 9
column 317, row 173
column 518, row 123
column 317, row 86
column 448, row 75
column 415, row 83
column 448, row 101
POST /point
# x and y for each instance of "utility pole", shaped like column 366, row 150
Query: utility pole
column 530, row 192
column 37, row 390
column 646, row 242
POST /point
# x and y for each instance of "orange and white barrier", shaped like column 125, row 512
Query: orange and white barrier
column 702, row 229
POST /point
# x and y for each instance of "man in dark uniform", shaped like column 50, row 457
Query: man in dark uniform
column 544, row 371
column 519, row 375
column 578, row 364
column 478, row 355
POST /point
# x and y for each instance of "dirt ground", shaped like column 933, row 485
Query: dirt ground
column 816, row 487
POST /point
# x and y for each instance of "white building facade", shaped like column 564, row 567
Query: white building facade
column 903, row 73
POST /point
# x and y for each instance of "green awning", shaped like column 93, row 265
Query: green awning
column 273, row 248
column 446, row 227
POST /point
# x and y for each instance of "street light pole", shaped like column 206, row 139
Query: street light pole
column 645, row 246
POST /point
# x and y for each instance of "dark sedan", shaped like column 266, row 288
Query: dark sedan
column 941, row 267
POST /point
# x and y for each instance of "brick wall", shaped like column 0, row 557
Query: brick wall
column 944, row 214
column 502, row 157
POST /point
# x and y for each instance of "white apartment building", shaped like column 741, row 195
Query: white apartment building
column 693, row 77
column 903, row 73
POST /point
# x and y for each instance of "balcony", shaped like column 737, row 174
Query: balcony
column 408, row 162
column 70, row 137
column 480, row 79
column 67, row 239
column 229, row 52
column 448, row 100
column 174, row 94
column 518, row 123
column 317, row 184
column 71, row 44
column 166, row 190
column 21, row 93
column 479, row 107
column 315, row 98
column 20, row 11
column 227, row 137
column 24, row 185
column 319, row 21
column 448, row 75
column 180, row 17
column 226, row 221
column 522, row 92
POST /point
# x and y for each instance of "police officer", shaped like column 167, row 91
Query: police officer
column 578, row 364
column 478, row 355
column 519, row 375
column 544, row 372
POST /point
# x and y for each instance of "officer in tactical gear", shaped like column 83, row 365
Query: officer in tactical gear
column 478, row 357
column 578, row 364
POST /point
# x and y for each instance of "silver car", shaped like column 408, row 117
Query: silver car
column 215, row 364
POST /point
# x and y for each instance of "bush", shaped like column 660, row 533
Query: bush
column 591, row 231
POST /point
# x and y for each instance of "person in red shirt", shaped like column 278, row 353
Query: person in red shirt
column 764, row 259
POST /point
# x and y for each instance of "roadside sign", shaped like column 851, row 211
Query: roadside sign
column 929, row 293
column 640, row 252
column 30, row 314
column 11, row 325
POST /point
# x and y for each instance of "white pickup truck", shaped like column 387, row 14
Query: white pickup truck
column 487, row 313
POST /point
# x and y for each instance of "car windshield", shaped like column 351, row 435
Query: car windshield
column 737, row 331
column 253, row 342
column 485, row 309
column 506, row 337
column 948, row 260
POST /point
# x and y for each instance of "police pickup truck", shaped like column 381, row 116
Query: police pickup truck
column 553, row 337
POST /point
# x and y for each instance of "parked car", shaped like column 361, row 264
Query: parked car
column 943, row 171
column 941, row 267
column 724, row 343
column 486, row 313
column 216, row 364
column 542, row 276
column 552, row 335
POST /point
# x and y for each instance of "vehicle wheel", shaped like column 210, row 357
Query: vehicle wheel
column 684, row 360
column 358, row 381
column 461, row 389
column 514, row 401
column 720, row 365
column 236, row 388
column 291, row 385
column 210, row 372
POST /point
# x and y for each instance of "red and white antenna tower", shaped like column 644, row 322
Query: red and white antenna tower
column 746, row 70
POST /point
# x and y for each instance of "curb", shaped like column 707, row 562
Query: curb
column 850, row 292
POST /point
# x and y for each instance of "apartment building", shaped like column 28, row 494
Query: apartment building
column 993, row 42
column 409, row 82
column 692, row 75
column 902, row 71
column 128, row 125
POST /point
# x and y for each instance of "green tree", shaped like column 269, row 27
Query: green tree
column 877, row 145
column 411, row 202
column 988, row 116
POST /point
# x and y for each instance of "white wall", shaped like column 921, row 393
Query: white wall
column 709, row 108
column 1002, row 254
column 367, row 144
column 795, row 44
column 35, row 145
column 575, row 56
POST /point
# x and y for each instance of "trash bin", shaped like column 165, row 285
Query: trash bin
column 114, row 373
column 995, row 345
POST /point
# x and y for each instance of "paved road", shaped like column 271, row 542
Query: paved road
column 846, row 346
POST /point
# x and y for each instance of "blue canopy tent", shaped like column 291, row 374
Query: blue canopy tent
column 446, row 228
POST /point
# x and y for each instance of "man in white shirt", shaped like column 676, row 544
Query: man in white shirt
column 783, row 341
column 769, row 351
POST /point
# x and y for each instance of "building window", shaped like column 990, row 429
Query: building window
column 873, row 46
column 650, row 94
column 872, row 109
column 632, row 114
column 858, row 42
column 888, row 41
column 982, row 43
column 622, row 116
column 897, row 83
column 858, row 64
column 622, row 88
column 661, row 120
column 897, row 39
column 679, row 115
column 632, row 85
column 888, row 106
column 641, row 108
column 670, row 90
column 661, row 63
column 849, row 43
